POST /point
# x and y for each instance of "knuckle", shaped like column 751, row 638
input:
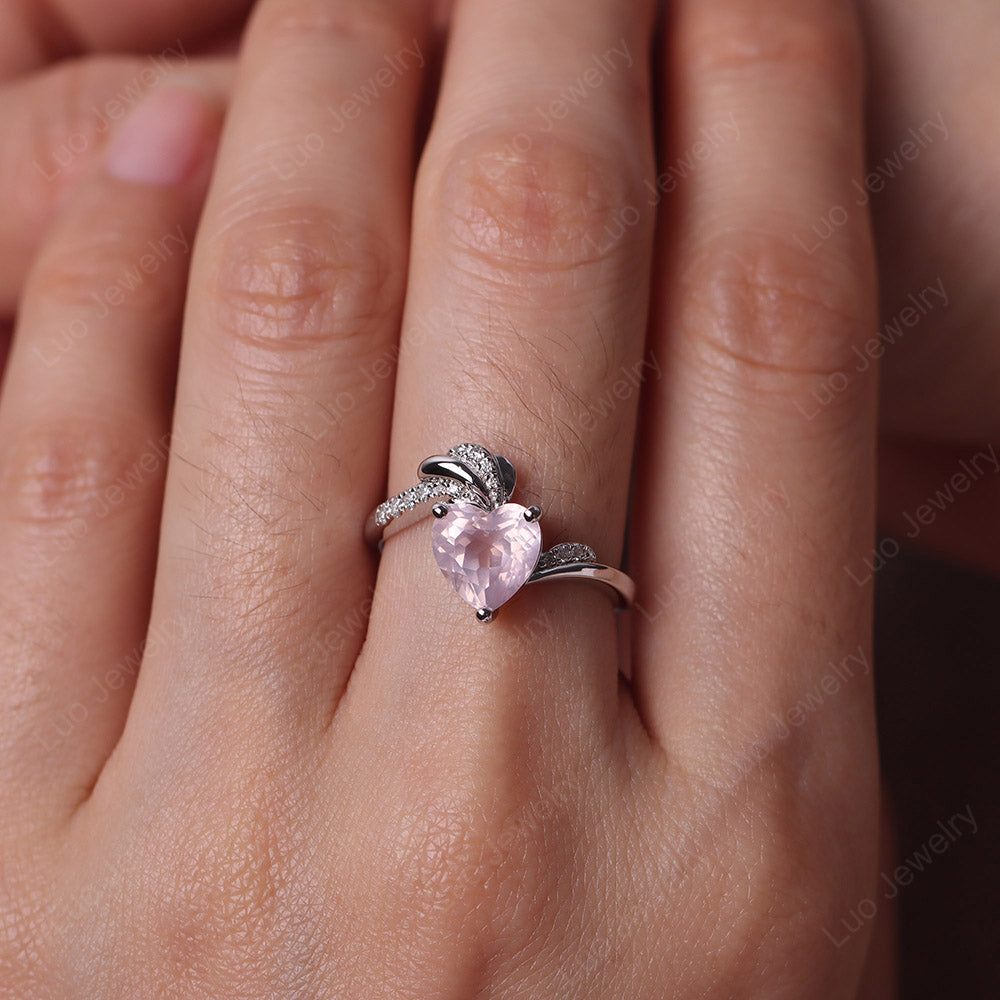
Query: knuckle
column 819, row 43
column 225, row 908
column 64, row 475
column 807, row 835
column 804, row 902
column 288, row 283
column 780, row 854
column 440, row 846
column 474, row 853
column 461, row 858
column 535, row 203
column 763, row 307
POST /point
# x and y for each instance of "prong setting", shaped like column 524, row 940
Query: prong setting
column 490, row 547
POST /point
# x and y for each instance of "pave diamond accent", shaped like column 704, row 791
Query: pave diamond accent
column 432, row 488
column 487, row 547
column 477, row 457
column 481, row 459
column 487, row 556
column 565, row 553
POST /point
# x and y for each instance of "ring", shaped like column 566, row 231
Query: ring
column 487, row 547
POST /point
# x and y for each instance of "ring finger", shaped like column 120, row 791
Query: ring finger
column 525, row 320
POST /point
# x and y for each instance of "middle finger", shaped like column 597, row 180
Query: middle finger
column 282, row 413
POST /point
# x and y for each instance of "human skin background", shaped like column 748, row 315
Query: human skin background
column 247, row 851
column 904, row 215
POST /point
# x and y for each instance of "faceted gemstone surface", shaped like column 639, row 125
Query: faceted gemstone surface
column 486, row 555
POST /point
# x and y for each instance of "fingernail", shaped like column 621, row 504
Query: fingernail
column 162, row 140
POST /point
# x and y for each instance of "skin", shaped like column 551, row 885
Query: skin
column 528, row 823
column 937, row 222
column 36, row 32
column 934, row 220
column 939, row 215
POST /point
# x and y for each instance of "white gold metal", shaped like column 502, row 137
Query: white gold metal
column 446, row 467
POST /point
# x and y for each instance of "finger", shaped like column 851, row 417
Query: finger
column 55, row 126
column 33, row 34
column 84, row 420
column 289, row 346
column 524, row 327
column 752, row 494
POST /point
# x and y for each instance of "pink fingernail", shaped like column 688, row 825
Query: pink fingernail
column 162, row 140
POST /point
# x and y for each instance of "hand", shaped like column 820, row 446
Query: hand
column 294, row 798
column 63, row 87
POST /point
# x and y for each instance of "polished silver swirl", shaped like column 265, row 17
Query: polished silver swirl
column 469, row 472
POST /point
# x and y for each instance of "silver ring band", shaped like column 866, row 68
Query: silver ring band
column 483, row 545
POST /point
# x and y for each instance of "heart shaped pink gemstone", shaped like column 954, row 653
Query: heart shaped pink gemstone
column 486, row 555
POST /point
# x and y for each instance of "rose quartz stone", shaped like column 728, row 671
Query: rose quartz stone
column 486, row 555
